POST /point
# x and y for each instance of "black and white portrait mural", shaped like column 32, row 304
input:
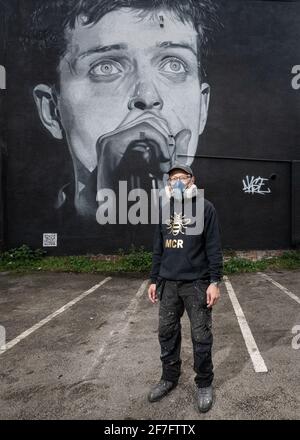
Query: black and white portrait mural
column 126, row 92
column 106, row 95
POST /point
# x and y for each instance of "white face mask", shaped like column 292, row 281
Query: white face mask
column 179, row 186
column 178, row 193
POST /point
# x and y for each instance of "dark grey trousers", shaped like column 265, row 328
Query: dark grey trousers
column 174, row 298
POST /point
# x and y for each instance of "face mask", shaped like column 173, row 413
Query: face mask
column 179, row 185
column 178, row 189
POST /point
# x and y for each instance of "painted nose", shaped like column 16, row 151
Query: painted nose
column 145, row 97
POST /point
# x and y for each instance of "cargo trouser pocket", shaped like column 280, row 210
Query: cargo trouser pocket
column 201, row 288
column 204, row 313
column 160, row 284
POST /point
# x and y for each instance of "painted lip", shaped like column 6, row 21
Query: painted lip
column 130, row 120
column 140, row 146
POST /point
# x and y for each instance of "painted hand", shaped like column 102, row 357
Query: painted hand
column 143, row 145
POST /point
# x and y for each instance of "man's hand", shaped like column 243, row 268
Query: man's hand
column 152, row 293
column 212, row 295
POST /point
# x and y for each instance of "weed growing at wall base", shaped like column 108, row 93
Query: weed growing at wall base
column 134, row 259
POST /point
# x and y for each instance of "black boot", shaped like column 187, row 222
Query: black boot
column 205, row 398
column 160, row 390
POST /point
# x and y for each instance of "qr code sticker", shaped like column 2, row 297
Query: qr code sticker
column 49, row 240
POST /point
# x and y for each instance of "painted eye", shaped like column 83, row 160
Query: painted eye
column 174, row 66
column 105, row 68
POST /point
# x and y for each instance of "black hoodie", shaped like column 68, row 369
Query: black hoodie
column 180, row 256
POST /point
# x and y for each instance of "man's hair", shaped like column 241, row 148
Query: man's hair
column 45, row 37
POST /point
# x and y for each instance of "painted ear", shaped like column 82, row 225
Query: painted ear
column 47, row 109
column 205, row 95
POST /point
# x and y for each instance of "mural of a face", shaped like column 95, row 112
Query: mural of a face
column 130, row 100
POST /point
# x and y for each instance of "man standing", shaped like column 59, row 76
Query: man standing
column 186, row 272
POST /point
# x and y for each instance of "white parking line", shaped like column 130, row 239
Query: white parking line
column 257, row 360
column 120, row 329
column 281, row 287
column 44, row 321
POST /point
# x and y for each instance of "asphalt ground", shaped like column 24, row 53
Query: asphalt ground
column 85, row 346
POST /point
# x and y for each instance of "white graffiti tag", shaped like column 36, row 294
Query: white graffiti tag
column 254, row 185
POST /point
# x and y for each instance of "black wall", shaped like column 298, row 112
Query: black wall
column 253, row 129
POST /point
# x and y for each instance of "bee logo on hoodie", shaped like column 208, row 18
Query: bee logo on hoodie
column 177, row 223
